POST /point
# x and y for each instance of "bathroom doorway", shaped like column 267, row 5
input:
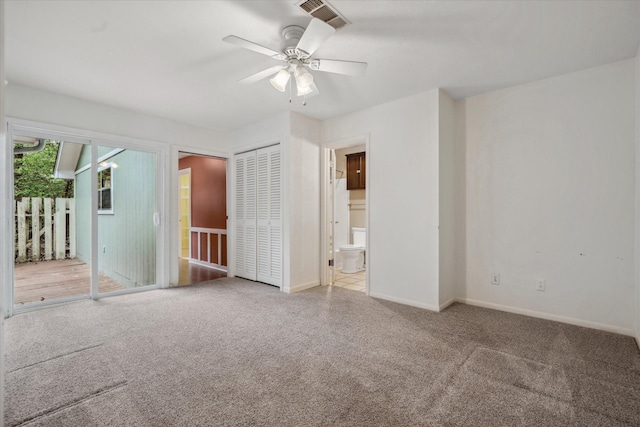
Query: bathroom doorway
column 346, row 176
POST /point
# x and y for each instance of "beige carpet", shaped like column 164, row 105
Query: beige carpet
column 232, row 352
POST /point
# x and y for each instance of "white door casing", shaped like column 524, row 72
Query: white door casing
column 258, row 215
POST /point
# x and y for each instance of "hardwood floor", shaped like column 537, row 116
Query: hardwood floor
column 50, row 280
column 194, row 273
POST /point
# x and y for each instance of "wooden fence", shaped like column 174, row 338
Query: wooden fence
column 45, row 229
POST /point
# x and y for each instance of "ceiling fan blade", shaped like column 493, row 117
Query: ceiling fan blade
column 261, row 75
column 315, row 34
column 348, row 68
column 252, row 46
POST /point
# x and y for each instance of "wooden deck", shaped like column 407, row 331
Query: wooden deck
column 56, row 279
column 51, row 280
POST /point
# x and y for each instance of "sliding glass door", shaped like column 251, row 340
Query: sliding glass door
column 127, row 218
column 88, row 227
column 50, row 260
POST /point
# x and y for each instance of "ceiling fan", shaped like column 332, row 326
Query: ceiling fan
column 296, row 58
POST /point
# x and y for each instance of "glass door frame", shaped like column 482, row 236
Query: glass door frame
column 93, row 140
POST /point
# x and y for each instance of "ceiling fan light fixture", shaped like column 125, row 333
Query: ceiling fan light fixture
column 304, row 79
column 280, row 80
column 305, row 90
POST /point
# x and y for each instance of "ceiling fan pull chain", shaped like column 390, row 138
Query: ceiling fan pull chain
column 289, row 91
column 304, row 101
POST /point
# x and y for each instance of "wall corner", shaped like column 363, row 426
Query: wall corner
column 637, row 205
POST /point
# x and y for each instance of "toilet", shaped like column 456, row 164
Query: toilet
column 353, row 255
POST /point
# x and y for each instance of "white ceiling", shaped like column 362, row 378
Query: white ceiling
column 166, row 58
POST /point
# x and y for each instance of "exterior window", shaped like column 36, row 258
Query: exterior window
column 105, row 190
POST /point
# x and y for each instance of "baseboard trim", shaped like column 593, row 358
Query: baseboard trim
column 208, row 265
column 404, row 301
column 302, row 287
column 547, row 316
column 447, row 304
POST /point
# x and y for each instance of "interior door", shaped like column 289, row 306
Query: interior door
column 245, row 215
column 269, row 218
column 332, row 216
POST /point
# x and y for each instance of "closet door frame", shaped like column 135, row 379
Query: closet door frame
column 233, row 270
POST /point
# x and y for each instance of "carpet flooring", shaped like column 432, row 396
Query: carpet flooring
column 232, row 352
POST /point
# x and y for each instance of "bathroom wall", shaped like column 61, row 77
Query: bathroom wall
column 357, row 198
column 341, row 227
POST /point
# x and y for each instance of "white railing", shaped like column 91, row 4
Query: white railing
column 45, row 229
column 205, row 258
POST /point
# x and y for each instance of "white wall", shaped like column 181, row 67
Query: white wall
column 33, row 104
column 460, row 199
column 637, row 216
column 402, row 159
column 447, row 199
column 6, row 212
column 550, row 181
column 261, row 134
column 305, row 202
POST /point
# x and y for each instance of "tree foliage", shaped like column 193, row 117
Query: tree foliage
column 33, row 174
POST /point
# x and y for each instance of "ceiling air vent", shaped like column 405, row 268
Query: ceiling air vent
column 324, row 11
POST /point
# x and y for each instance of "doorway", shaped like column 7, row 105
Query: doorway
column 202, row 218
column 346, row 199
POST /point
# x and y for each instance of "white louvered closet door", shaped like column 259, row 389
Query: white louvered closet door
column 269, row 216
column 245, row 213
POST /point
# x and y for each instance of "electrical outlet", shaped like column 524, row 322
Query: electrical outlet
column 541, row 285
column 495, row 279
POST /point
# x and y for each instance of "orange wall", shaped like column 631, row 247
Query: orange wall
column 208, row 198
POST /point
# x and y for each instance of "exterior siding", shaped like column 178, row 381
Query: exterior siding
column 82, row 194
column 126, row 238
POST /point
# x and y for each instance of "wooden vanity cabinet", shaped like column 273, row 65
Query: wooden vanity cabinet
column 356, row 171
